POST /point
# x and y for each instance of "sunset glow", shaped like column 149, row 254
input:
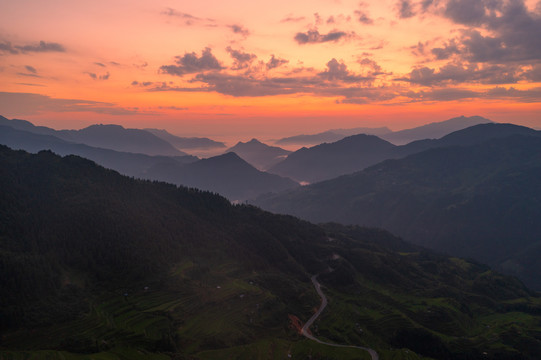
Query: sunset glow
column 269, row 69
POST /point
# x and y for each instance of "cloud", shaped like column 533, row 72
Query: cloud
column 498, row 31
column 6, row 47
column 240, row 30
column 188, row 19
column 190, row 63
column 405, row 9
column 338, row 71
column 31, row 69
column 242, row 59
column 443, row 94
column 291, row 18
column 528, row 96
column 456, row 94
column 362, row 15
column 42, row 47
column 375, row 69
column 20, row 104
column 143, row 84
column 275, row 62
column 448, row 50
column 99, row 77
column 454, row 73
column 100, row 64
column 313, row 37
column 466, row 12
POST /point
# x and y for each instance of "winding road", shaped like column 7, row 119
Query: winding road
column 306, row 332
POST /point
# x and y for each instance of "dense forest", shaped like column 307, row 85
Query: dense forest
column 93, row 262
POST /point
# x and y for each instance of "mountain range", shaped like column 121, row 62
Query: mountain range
column 429, row 131
column 261, row 156
column 186, row 142
column 113, row 137
column 472, row 200
column 228, row 175
column 433, row 130
column 330, row 136
column 327, row 161
column 99, row 265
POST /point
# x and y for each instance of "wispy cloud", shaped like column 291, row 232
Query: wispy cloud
column 29, row 104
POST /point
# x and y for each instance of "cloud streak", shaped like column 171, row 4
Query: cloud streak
column 31, row 104
column 41, row 47
column 314, row 37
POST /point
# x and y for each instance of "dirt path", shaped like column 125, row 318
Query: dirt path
column 306, row 328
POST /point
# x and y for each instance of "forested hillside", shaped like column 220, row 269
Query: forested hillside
column 100, row 264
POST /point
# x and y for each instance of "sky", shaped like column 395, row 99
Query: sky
column 249, row 68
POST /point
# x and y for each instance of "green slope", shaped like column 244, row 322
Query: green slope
column 100, row 266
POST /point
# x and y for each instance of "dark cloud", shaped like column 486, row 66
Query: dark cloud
column 443, row 94
column 190, row 63
column 447, row 51
column 31, row 69
column 375, row 69
column 338, row 71
column 499, row 31
column 362, row 14
column 100, row 64
column 405, row 9
column 534, row 73
column 42, row 47
column 528, row 96
column 99, row 77
column 457, row 94
column 21, row 104
column 239, row 29
column 6, row 47
column 239, row 86
column 467, row 12
column 242, row 59
column 313, row 37
column 275, row 62
column 453, row 73
column 143, row 84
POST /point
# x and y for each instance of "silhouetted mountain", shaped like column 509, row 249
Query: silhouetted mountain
column 117, row 138
column 98, row 265
column 332, row 135
column 355, row 153
column 113, row 137
column 433, row 130
column 326, row 161
column 227, row 174
column 260, row 155
column 132, row 164
column 186, row 142
column 481, row 201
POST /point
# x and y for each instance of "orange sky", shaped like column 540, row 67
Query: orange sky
column 269, row 69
